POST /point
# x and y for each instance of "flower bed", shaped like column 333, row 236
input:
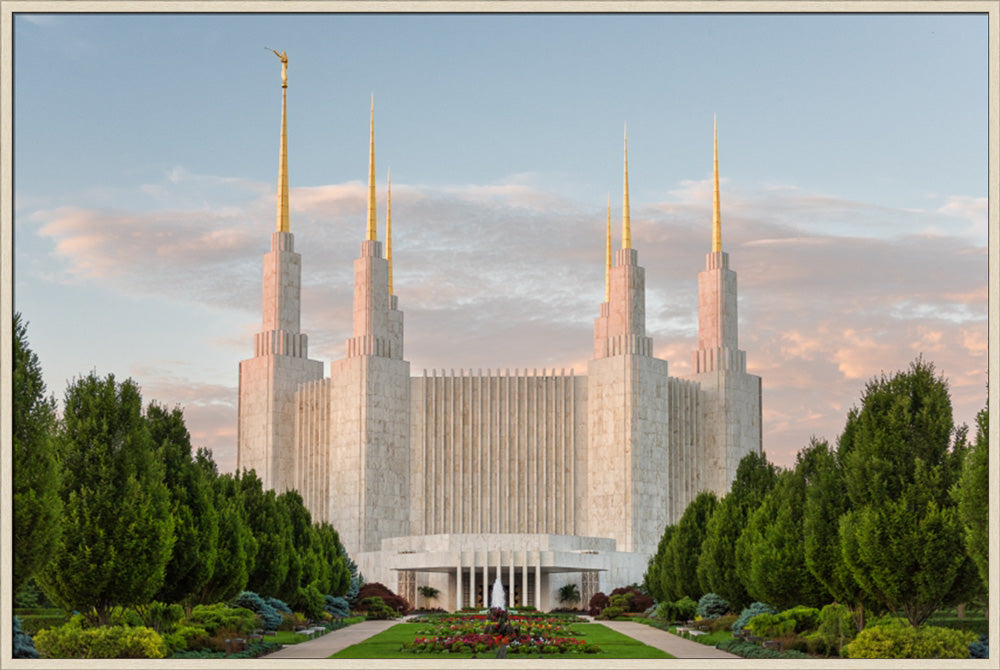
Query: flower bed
column 479, row 633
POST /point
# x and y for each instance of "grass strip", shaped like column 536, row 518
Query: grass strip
column 613, row 645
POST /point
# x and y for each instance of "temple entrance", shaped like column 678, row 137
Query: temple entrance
column 520, row 594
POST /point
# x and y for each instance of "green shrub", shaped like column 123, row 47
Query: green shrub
column 750, row 612
column 686, row 608
column 724, row 622
column 751, row 650
column 836, row 628
column 32, row 623
column 72, row 641
column 220, row 615
column 375, row 608
column 770, row 625
column 184, row 638
column 610, row 612
column 310, row 601
column 806, row 618
column 711, row 605
column 622, row 600
column 124, row 616
column 900, row 641
column 161, row 616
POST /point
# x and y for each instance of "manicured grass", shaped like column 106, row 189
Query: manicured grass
column 613, row 645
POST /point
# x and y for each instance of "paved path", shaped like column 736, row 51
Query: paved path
column 672, row 644
column 331, row 643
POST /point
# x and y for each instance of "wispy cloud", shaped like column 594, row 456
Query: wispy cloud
column 508, row 275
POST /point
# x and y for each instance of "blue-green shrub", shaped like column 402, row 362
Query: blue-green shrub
column 278, row 605
column 751, row 650
column 250, row 600
column 980, row 648
column 22, row 644
column 711, row 605
column 900, row 641
column 750, row 612
column 337, row 607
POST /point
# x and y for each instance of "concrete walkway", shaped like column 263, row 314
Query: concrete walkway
column 326, row 645
column 674, row 645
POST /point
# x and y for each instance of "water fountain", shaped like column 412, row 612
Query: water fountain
column 497, row 599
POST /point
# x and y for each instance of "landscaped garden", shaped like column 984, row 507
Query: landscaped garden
column 500, row 633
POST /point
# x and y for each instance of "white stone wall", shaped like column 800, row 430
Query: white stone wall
column 267, row 414
column 496, row 452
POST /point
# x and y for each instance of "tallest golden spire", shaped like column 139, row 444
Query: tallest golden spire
column 716, row 215
column 371, row 177
column 283, row 150
column 626, row 224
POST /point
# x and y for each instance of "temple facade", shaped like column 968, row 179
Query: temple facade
column 538, row 477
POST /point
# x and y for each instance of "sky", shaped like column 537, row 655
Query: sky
column 852, row 154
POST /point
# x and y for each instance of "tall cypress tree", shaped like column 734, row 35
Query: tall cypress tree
column 37, row 475
column 237, row 548
column 899, row 539
column 680, row 571
column 719, row 571
column 118, row 531
column 196, row 522
column 971, row 494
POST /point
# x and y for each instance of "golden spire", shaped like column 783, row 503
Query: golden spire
column 388, row 225
column 607, row 266
column 282, row 223
column 371, row 178
column 626, row 225
column 716, row 216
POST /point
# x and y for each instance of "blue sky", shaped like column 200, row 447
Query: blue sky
column 853, row 157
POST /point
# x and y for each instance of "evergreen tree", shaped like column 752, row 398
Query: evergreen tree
column 680, row 571
column 196, row 523
column 269, row 526
column 971, row 494
column 825, row 505
column 36, row 472
column 773, row 547
column 118, row 532
column 653, row 579
column 303, row 568
column 719, row 571
column 899, row 540
column 237, row 547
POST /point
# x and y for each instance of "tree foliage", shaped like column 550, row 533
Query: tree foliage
column 196, row 522
column 900, row 538
column 680, row 569
column 36, row 472
column 719, row 571
column 118, row 532
column 971, row 494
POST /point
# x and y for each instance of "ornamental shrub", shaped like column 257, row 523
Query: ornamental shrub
column 269, row 616
column 220, row 615
column 376, row 608
column 836, row 628
column 72, row 641
column 621, row 600
column 310, row 601
column 638, row 601
column 666, row 612
column 598, row 602
column 395, row 602
column 22, row 644
column 278, row 605
column 337, row 607
column 186, row 638
column 686, row 608
column 711, row 605
column 770, row 625
column 750, row 612
column 161, row 616
column 980, row 648
column 896, row 641
column 611, row 612
column 806, row 618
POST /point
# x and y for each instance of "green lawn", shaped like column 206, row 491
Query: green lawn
column 613, row 645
